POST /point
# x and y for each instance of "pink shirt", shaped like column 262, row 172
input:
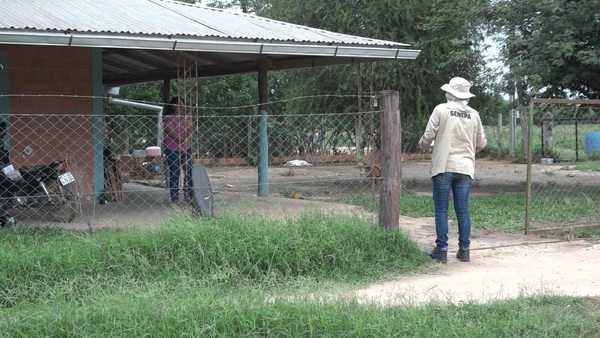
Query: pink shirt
column 180, row 125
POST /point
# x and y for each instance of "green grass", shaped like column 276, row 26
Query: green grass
column 152, row 312
column 503, row 212
column 228, row 252
column 564, row 146
column 589, row 165
column 244, row 276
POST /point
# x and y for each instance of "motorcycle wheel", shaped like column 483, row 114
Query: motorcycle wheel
column 7, row 220
column 65, row 204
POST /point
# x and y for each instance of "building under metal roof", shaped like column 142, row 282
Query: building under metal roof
column 149, row 40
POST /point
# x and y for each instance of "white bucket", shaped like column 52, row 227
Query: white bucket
column 153, row 151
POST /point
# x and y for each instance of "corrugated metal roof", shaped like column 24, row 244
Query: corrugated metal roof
column 147, row 40
column 161, row 18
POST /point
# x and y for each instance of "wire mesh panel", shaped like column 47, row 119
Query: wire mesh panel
column 313, row 160
column 41, row 165
column 564, row 166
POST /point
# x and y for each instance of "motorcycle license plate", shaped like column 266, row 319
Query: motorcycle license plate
column 66, row 178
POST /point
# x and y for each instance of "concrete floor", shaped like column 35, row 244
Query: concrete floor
column 147, row 207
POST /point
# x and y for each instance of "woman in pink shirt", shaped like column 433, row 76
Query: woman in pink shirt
column 178, row 147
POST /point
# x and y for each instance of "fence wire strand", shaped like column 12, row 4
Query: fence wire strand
column 313, row 156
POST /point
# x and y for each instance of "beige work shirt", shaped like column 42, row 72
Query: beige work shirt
column 458, row 134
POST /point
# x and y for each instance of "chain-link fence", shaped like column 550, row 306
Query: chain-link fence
column 313, row 159
column 564, row 166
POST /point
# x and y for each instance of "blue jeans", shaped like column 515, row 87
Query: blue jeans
column 460, row 185
column 176, row 161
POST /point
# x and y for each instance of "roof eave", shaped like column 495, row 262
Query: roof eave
column 207, row 45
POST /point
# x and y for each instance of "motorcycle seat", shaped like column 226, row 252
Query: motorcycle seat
column 39, row 168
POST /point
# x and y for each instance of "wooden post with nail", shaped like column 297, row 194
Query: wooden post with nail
column 391, row 164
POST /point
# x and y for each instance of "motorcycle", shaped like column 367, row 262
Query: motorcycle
column 49, row 188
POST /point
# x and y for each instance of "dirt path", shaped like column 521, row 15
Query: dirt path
column 502, row 266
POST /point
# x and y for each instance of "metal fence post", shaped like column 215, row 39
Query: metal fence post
column 263, row 138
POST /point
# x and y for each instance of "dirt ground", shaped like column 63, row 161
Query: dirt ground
column 502, row 265
column 333, row 182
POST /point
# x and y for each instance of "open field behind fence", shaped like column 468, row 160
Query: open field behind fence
column 565, row 136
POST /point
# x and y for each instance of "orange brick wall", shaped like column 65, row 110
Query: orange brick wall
column 51, row 107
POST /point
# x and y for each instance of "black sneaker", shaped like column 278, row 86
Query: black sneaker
column 463, row 255
column 439, row 256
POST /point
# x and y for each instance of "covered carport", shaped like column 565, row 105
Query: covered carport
column 137, row 41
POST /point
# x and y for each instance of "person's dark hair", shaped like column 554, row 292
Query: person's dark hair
column 170, row 107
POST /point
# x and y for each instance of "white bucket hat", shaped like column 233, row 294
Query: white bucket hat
column 459, row 88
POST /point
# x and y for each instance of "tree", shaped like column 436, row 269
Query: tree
column 448, row 33
column 552, row 47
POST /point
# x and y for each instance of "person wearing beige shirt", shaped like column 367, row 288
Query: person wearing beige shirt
column 458, row 134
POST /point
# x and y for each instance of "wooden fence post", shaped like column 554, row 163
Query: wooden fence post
column 500, row 148
column 391, row 165
column 548, row 124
